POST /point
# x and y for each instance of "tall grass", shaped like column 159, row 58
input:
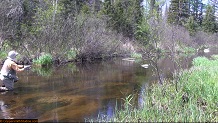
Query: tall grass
column 195, row 101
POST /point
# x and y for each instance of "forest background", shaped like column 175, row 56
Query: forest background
column 89, row 29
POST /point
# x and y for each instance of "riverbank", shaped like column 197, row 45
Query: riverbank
column 193, row 98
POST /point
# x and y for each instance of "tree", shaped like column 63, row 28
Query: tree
column 152, row 6
column 191, row 25
column 214, row 3
column 123, row 15
column 13, row 14
column 209, row 21
column 71, row 7
column 196, row 10
column 178, row 12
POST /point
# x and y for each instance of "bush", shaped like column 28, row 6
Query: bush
column 3, row 55
column 71, row 54
column 45, row 59
column 136, row 55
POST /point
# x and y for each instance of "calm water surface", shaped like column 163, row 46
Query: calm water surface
column 72, row 92
column 77, row 92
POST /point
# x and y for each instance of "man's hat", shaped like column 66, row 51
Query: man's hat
column 12, row 55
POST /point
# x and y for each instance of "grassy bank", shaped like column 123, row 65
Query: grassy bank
column 196, row 99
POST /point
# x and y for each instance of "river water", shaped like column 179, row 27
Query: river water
column 76, row 92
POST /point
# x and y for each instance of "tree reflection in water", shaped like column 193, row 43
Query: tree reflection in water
column 5, row 114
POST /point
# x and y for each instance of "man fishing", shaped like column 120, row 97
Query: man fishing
column 8, row 71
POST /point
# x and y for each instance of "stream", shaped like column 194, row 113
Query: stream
column 80, row 91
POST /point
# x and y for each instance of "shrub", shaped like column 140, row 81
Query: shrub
column 71, row 54
column 136, row 55
column 45, row 59
column 3, row 55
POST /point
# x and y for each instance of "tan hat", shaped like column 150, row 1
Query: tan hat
column 12, row 55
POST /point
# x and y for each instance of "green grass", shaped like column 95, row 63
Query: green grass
column 195, row 101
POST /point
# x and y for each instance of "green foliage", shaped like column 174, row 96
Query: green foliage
column 196, row 10
column 85, row 9
column 71, row 54
column 45, row 16
column 215, row 57
column 136, row 55
column 45, row 59
column 191, row 25
column 201, row 81
column 209, row 22
column 142, row 32
column 128, row 102
column 188, row 49
column 72, row 7
column 205, row 62
column 107, row 7
column 3, row 55
column 178, row 12
column 125, row 16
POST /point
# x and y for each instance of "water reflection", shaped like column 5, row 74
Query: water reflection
column 108, row 112
column 141, row 96
column 5, row 114
column 43, row 71
column 75, row 91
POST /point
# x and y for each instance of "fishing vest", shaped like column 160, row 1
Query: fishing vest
column 10, row 74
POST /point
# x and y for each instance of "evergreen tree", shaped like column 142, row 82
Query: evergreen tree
column 138, row 11
column 71, row 7
column 214, row 3
column 178, row 12
column 191, row 25
column 152, row 5
column 123, row 15
column 196, row 10
column 209, row 21
column 107, row 7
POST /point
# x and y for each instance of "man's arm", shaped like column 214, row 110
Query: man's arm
column 16, row 67
column 20, row 66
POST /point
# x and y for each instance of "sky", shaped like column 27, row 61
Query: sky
column 167, row 2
